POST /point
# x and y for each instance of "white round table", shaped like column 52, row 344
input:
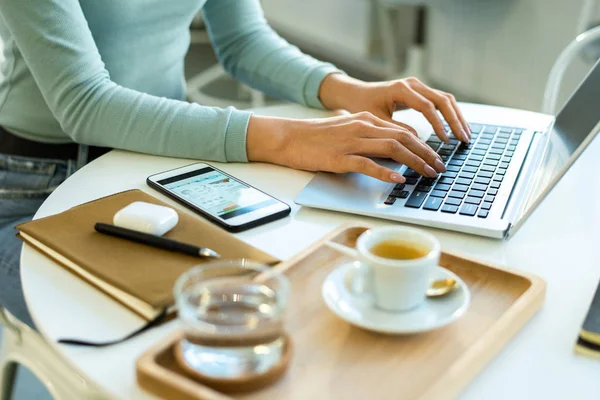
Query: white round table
column 559, row 243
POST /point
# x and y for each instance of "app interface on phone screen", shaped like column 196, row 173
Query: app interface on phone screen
column 217, row 193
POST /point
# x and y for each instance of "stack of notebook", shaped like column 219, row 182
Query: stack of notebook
column 138, row 276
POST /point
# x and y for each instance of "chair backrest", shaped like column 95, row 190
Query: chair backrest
column 564, row 60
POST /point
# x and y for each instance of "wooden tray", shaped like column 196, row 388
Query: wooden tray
column 334, row 360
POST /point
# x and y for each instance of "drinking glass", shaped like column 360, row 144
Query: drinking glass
column 232, row 315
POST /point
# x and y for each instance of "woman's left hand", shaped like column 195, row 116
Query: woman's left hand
column 339, row 91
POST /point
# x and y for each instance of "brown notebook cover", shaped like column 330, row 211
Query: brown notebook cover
column 138, row 276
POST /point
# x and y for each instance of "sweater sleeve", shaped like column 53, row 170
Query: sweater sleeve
column 58, row 48
column 252, row 52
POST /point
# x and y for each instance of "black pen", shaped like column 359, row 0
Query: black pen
column 155, row 241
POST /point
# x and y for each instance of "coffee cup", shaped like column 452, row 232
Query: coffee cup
column 396, row 264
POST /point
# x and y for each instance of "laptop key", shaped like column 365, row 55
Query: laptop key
column 489, row 199
column 411, row 180
column 423, row 188
column 479, row 186
column 505, row 130
column 511, row 148
column 459, row 157
column 442, row 186
column 416, row 200
column 475, row 128
column 390, row 200
column 503, row 165
column 492, row 192
column 490, row 129
column 477, row 152
column 468, row 209
column 461, row 188
column 498, row 178
column 500, row 140
column 457, row 163
column 483, row 181
column 501, row 172
column 483, row 213
column 489, row 168
column 491, row 162
column 453, row 201
column 452, row 168
column 404, row 194
column 399, row 186
column 447, row 181
column 447, row 208
column 466, row 175
column 509, row 153
column 476, row 193
column 473, row 163
column 410, row 172
column 496, row 151
column 438, row 193
column 486, row 205
column 396, row 193
column 444, row 152
column 468, row 168
column 449, row 174
column 476, row 158
column 427, row 181
column 495, row 185
column 493, row 156
column 485, row 174
column 461, row 181
column 457, row 194
column 472, row 200
column 433, row 203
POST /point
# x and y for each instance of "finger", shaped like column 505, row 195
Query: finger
column 391, row 148
column 363, row 165
column 384, row 121
column 443, row 104
column 417, row 102
column 458, row 111
column 414, row 144
column 390, row 122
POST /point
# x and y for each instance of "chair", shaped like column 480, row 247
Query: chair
column 22, row 345
column 566, row 57
column 414, row 61
column 197, row 84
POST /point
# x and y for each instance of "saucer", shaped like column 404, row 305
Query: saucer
column 361, row 311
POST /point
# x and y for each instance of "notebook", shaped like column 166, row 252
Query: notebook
column 138, row 276
column 588, row 342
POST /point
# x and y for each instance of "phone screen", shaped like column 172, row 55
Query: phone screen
column 216, row 193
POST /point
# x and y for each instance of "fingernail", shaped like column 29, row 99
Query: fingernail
column 397, row 178
column 439, row 165
column 464, row 134
column 430, row 172
column 446, row 138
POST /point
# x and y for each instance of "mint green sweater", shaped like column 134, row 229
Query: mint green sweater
column 110, row 73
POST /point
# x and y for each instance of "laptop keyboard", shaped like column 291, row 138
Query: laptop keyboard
column 473, row 177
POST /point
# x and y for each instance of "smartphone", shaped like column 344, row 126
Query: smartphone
column 219, row 197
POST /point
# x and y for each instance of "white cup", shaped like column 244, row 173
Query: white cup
column 396, row 285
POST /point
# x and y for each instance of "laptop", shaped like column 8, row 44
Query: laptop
column 491, row 186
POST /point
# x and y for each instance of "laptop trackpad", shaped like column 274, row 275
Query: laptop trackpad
column 350, row 190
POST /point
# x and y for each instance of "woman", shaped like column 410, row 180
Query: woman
column 110, row 74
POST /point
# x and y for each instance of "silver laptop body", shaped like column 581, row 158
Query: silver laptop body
column 508, row 181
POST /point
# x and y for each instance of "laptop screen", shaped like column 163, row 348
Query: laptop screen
column 579, row 115
column 578, row 119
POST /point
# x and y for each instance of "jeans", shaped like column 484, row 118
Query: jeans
column 24, row 185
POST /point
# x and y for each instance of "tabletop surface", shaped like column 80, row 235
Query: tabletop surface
column 558, row 243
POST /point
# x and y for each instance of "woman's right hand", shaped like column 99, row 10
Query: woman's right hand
column 340, row 144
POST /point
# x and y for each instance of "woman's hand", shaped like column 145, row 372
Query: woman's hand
column 340, row 144
column 339, row 91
